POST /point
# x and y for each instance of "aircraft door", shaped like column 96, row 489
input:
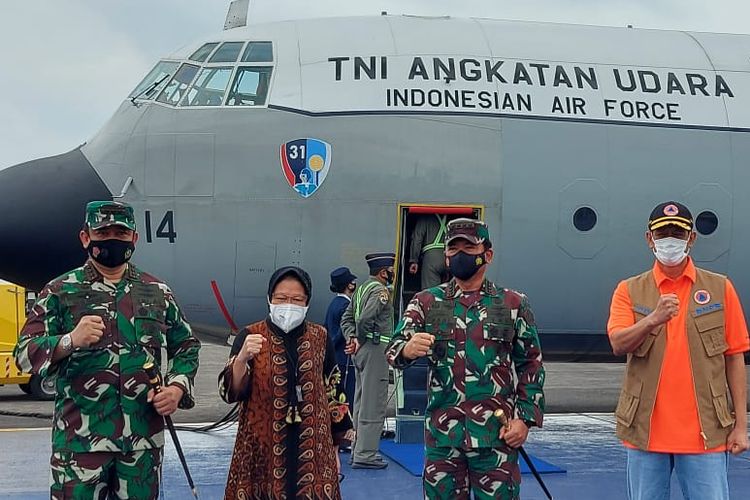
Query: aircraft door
column 423, row 226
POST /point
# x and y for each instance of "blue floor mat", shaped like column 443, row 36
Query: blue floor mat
column 411, row 458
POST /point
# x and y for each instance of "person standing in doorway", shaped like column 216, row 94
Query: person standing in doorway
column 426, row 249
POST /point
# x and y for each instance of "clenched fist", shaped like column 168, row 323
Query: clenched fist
column 87, row 332
column 251, row 347
column 419, row 344
column 667, row 308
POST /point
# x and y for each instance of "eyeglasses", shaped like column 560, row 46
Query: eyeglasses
column 299, row 300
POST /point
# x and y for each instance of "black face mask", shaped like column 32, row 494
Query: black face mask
column 463, row 266
column 389, row 277
column 112, row 253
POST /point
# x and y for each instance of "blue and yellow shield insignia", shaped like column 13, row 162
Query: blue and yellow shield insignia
column 305, row 164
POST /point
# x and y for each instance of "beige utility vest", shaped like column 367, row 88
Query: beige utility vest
column 706, row 344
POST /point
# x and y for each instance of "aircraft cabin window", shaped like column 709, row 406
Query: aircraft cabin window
column 202, row 53
column 584, row 219
column 209, row 87
column 177, row 86
column 258, row 52
column 156, row 79
column 250, row 86
column 706, row 222
column 228, row 52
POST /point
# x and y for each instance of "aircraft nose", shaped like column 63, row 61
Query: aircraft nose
column 41, row 212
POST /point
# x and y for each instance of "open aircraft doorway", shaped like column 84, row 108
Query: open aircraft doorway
column 409, row 215
column 419, row 240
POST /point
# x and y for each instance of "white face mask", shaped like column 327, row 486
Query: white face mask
column 287, row 316
column 671, row 251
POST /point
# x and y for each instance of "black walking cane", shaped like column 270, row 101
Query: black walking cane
column 154, row 378
column 504, row 420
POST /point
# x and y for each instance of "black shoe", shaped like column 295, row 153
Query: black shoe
column 388, row 435
column 369, row 465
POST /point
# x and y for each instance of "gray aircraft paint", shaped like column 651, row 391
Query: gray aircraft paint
column 236, row 218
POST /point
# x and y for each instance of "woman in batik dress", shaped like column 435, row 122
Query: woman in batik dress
column 293, row 417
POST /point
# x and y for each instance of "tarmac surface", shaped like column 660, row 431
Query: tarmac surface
column 578, row 435
column 583, row 444
column 569, row 387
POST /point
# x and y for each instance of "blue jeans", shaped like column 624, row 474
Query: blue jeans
column 702, row 476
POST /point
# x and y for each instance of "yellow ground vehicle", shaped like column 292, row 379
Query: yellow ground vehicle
column 13, row 302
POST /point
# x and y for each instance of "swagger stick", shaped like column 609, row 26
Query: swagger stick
column 500, row 414
column 155, row 380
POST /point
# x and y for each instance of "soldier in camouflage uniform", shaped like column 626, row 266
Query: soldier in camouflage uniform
column 368, row 324
column 473, row 333
column 94, row 328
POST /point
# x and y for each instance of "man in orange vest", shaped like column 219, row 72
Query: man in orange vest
column 685, row 334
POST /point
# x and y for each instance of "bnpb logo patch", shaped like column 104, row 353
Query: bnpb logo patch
column 305, row 164
column 671, row 210
column 702, row 297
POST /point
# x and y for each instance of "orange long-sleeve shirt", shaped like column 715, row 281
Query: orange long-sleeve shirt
column 675, row 427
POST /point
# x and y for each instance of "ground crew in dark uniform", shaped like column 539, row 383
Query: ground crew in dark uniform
column 368, row 324
column 427, row 245
column 343, row 284
column 475, row 336
column 94, row 328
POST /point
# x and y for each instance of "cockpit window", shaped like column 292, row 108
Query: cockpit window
column 228, row 52
column 202, row 53
column 250, row 86
column 156, row 79
column 216, row 74
column 177, row 86
column 209, row 88
column 258, row 52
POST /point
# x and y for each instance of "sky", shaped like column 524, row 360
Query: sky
column 68, row 64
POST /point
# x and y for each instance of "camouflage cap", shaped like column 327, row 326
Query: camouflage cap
column 101, row 214
column 472, row 230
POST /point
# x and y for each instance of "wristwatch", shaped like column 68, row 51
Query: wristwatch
column 66, row 342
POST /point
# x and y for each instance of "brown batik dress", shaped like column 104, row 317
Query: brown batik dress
column 274, row 459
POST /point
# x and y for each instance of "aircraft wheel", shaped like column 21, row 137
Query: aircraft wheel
column 42, row 388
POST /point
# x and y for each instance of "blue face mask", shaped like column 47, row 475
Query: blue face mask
column 463, row 266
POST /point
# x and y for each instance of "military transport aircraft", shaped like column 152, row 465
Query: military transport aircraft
column 314, row 142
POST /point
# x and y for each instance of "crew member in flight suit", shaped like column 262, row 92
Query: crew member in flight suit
column 427, row 242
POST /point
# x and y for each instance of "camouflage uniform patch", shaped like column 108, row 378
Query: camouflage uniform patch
column 101, row 390
column 132, row 475
column 451, row 473
column 480, row 338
